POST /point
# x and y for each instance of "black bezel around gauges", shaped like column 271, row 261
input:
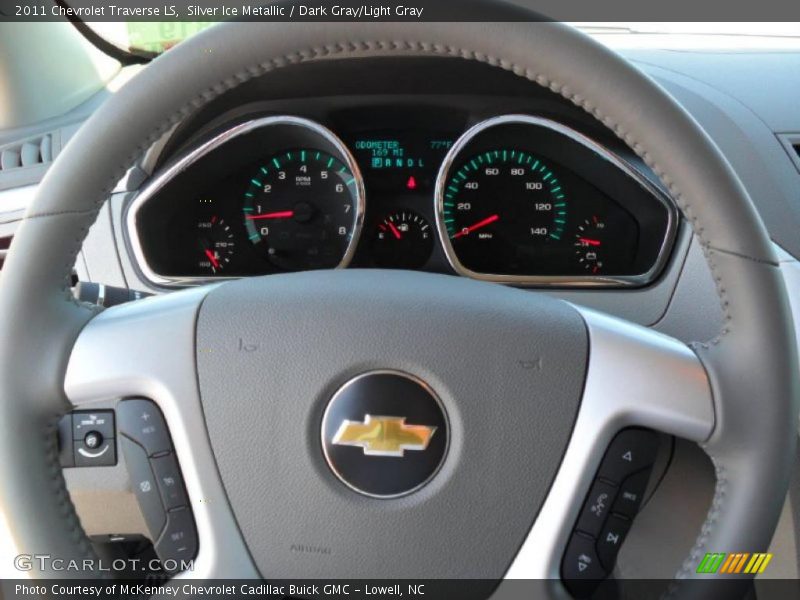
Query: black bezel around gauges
column 272, row 194
column 528, row 201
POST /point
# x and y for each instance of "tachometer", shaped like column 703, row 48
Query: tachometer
column 258, row 196
column 301, row 209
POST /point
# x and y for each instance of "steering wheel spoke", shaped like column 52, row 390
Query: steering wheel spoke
column 146, row 349
column 636, row 377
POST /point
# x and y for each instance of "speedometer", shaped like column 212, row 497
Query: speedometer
column 501, row 208
column 528, row 201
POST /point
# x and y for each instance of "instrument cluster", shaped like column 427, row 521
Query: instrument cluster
column 518, row 199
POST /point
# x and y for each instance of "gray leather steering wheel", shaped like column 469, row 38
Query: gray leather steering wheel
column 736, row 395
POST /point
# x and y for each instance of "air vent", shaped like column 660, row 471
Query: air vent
column 29, row 153
column 24, row 162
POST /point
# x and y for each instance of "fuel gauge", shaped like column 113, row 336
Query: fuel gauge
column 403, row 240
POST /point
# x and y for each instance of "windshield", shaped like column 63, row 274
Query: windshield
column 158, row 37
column 148, row 37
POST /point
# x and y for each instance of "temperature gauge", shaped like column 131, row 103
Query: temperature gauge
column 215, row 244
column 403, row 240
column 589, row 243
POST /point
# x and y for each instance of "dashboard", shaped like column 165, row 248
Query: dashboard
column 518, row 198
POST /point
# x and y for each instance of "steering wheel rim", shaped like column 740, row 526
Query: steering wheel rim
column 753, row 357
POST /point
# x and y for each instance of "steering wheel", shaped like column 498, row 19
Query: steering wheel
column 244, row 372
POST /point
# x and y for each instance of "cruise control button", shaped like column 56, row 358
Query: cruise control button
column 101, row 421
column 144, row 486
column 632, row 450
column 596, row 508
column 170, row 482
column 610, row 540
column 179, row 540
column 581, row 569
column 141, row 421
column 93, row 439
column 631, row 493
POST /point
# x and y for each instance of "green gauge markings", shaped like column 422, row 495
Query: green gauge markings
column 300, row 209
column 504, row 211
column 504, row 182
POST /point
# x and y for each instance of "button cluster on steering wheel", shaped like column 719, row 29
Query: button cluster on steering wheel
column 157, row 481
column 608, row 511
column 87, row 439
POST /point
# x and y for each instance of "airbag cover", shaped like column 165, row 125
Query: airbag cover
column 508, row 367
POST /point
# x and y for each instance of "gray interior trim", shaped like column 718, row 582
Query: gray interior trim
column 708, row 88
column 692, row 312
column 791, row 142
column 741, row 75
column 14, row 201
column 666, row 389
column 146, row 349
column 791, row 278
column 45, row 83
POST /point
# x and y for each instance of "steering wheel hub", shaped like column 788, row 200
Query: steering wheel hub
column 440, row 416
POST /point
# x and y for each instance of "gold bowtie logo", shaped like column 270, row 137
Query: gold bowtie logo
column 384, row 436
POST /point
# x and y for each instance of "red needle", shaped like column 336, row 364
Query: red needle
column 477, row 225
column 589, row 242
column 212, row 258
column 283, row 214
column 394, row 230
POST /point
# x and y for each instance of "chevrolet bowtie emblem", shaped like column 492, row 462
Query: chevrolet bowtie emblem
column 384, row 436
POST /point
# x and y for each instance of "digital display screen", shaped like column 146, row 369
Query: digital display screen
column 401, row 161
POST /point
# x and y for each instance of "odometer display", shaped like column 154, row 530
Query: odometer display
column 300, row 210
column 504, row 210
